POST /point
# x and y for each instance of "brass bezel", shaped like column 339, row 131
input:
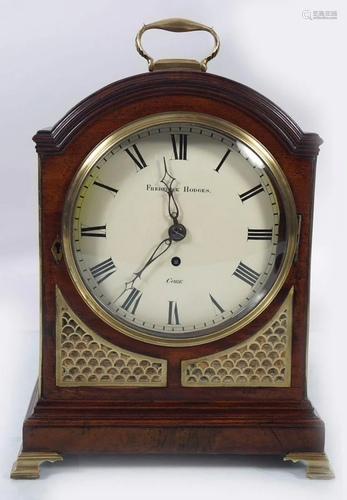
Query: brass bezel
column 160, row 119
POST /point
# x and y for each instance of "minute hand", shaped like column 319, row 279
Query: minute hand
column 160, row 249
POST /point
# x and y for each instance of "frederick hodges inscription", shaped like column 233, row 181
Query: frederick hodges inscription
column 184, row 189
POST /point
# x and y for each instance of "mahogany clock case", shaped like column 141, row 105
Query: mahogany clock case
column 173, row 418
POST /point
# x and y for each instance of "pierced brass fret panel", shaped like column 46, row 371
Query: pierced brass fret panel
column 84, row 358
column 264, row 360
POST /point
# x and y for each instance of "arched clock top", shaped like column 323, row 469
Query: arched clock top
column 178, row 83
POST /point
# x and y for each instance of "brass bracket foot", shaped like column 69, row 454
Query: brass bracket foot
column 318, row 466
column 27, row 464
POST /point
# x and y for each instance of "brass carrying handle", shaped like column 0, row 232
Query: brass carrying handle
column 176, row 25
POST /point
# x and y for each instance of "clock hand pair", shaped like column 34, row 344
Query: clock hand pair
column 176, row 231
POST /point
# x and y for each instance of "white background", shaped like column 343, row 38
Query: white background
column 55, row 53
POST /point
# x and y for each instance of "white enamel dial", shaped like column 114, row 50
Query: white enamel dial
column 209, row 187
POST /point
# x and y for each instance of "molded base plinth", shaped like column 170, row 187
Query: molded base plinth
column 164, row 427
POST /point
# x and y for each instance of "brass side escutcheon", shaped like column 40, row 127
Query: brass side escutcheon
column 318, row 466
column 57, row 250
column 27, row 464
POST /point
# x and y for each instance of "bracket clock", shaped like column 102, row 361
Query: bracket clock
column 175, row 239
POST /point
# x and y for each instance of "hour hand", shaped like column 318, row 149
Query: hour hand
column 168, row 180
